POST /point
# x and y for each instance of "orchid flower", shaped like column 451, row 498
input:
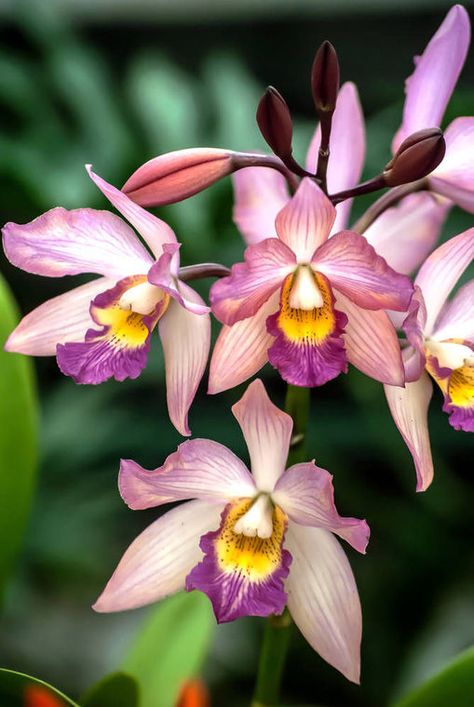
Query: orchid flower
column 102, row 329
column 305, row 289
column 403, row 235
column 441, row 336
column 428, row 91
column 251, row 542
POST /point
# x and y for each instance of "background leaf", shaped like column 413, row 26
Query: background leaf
column 452, row 686
column 171, row 648
column 13, row 686
column 116, row 690
column 18, row 440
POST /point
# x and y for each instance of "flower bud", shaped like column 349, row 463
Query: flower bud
column 325, row 78
column 177, row 175
column 274, row 121
column 416, row 157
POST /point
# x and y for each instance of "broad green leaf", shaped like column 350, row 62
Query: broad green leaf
column 454, row 685
column 115, row 690
column 170, row 648
column 18, row 440
column 14, row 688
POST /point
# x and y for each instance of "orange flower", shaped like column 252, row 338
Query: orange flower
column 38, row 696
column 193, row 694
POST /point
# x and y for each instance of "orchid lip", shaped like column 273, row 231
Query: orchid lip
column 449, row 354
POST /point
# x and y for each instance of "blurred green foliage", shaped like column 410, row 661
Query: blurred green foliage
column 117, row 98
column 116, row 690
column 18, row 441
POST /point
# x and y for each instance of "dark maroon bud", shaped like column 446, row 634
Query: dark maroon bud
column 416, row 157
column 274, row 121
column 325, row 78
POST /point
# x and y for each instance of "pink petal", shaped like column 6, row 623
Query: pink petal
column 252, row 283
column 441, row 271
column 199, row 469
column 177, row 175
column 323, row 598
column 306, row 221
column 164, row 274
column 62, row 319
column 152, row 229
column 372, row 343
column 414, row 326
column 267, row 432
column 186, row 339
column 346, row 147
column 354, row 268
column 306, row 494
column 157, row 562
column 62, row 242
column 260, row 193
column 241, row 349
column 454, row 178
column 429, row 88
column 405, row 234
column 409, row 408
column 456, row 320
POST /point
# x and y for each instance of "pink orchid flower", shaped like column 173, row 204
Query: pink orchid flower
column 403, row 235
column 441, row 336
column 428, row 91
column 251, row 542
column 102, row 329
column 305, row 289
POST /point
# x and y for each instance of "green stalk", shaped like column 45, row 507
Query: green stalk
column 277, row 629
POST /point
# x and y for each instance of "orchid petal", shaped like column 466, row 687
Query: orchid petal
column 409, row 408
column 157, row 562
column 429, row 88
column 440, row 272
column 200, row 468
column 306, row 494
column 260, row 193
column 252, row 283
column 323, row 598
column 62, row 242
column 186, row 339
column 164, row 274
column 241, row 349
column 346, row 147
column 152, row 229
column 62, row 319
column 413, row 326
column 456, row 320
column 267, row 432
column 371, row 342
column 406, row 233
column 454, row 178
column 306, row 221
column 354, row 268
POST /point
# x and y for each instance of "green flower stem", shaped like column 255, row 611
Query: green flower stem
column 277, row 630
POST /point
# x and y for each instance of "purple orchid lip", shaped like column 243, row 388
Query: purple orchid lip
column 308, row 349
column 241, row 575
column 120, row 348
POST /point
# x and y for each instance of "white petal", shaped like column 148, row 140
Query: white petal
column 186, row 338
column 267, row 431
column 323, row 598
column 157, row 562
column 60, row 320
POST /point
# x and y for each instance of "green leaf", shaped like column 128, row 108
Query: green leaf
column 18, row 440
column 454, row 685
column 171, row 647
column 115, row 690
column 13, row 687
